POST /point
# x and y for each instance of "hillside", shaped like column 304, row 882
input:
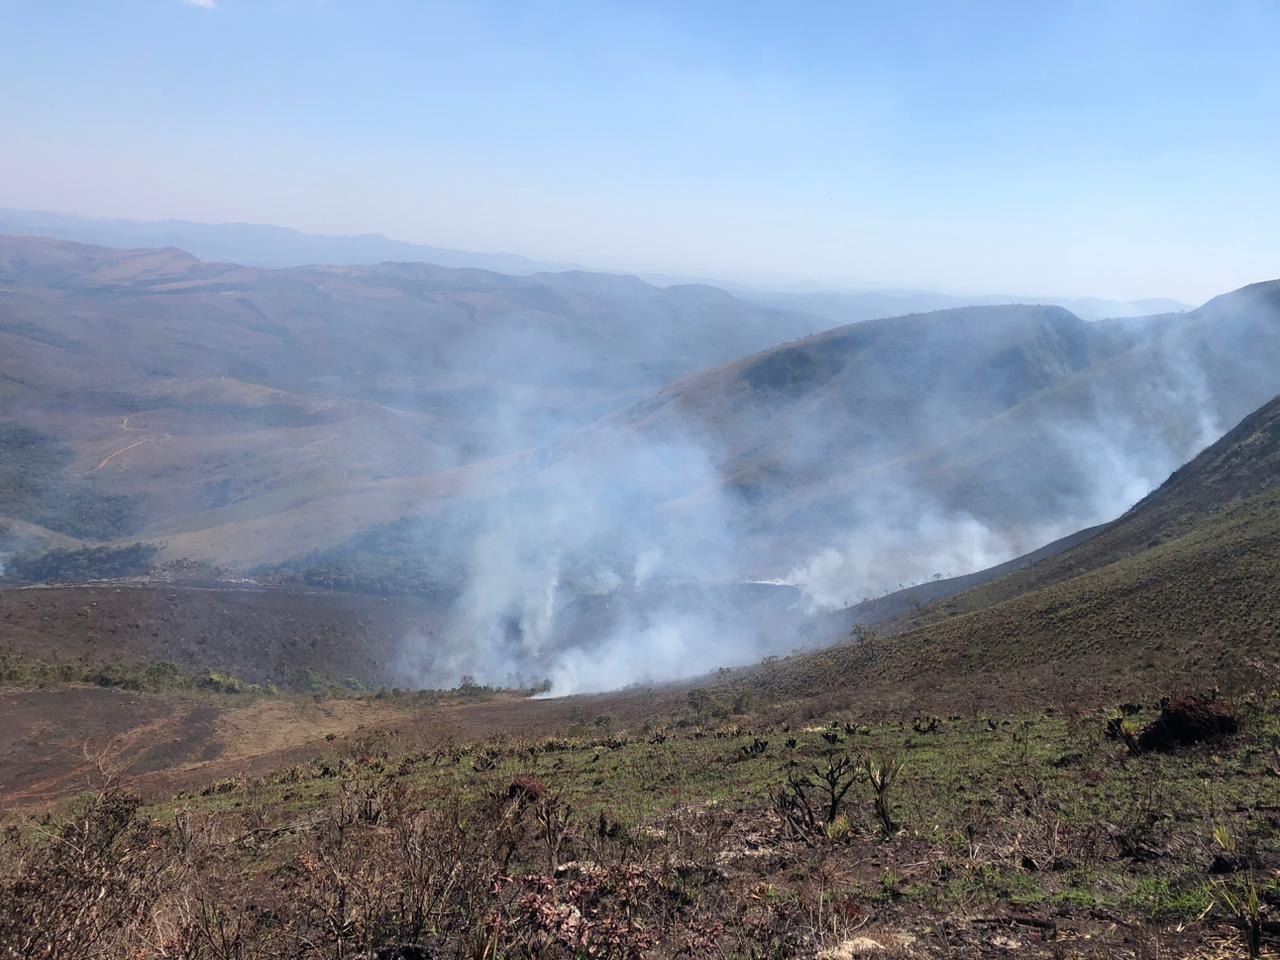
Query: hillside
column 1240, row 465
column 298, row 640
column 839, row 308
column 1179, row 591
column 973, row 435
column 976, row 803
column 209, row 393
column 518, row 450
column 1049, row 834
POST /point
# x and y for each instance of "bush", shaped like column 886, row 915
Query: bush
column 809, row 803
column 78, row 894
column 153, row 676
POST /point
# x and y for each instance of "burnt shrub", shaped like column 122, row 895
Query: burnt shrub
column 1186, row 721
column 526, row 789
column 78, row 889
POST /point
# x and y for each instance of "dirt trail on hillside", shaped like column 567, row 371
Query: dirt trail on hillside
column 125, row 449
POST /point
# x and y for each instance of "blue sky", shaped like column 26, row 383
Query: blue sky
column 1113, row 149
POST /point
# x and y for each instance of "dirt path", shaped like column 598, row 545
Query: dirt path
column 124, row 425
column 111, row 456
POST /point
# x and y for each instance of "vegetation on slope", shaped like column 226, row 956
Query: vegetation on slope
column 84, row 563
column 1195, row 610
column 295, row 639
column 1243, row 463
column 410, row 556
column 1034, row 833
column 35, row 486
column 156, row 676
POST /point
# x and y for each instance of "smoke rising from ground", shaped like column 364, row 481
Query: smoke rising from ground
column 560, row 572
column 1099, row 464
column 622, row 556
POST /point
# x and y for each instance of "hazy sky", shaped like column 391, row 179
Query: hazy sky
column 1116, row 148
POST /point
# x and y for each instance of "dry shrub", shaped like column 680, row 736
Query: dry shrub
column 80, row 888
column 808, row 802
column 526, row 789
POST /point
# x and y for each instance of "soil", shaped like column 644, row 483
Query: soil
column 256, row 633
column 58, row 741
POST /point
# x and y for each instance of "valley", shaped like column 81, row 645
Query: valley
column 258, row 593
column 512, row 486
column 605, row 481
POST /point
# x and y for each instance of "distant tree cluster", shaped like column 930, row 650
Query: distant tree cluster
column 380, row 576
column 89, row 563
column 410, row 556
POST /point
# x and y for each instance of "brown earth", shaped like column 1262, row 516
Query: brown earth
column 60, row 740
column 255, row 633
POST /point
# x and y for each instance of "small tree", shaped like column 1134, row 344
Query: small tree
column 809, row 803
column 701, row 701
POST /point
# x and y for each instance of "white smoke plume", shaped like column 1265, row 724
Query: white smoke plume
column 616, row 558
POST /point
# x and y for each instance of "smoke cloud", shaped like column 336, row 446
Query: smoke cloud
column 621, row 556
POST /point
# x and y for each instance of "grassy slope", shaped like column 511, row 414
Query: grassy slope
column 1180, row 590
column 1244, row 462
column 296, row 639
column 1033, row 834
column 1030, row 831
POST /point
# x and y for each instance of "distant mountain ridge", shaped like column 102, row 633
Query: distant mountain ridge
column 263, row 245
column 258, row 245
column 851, row 307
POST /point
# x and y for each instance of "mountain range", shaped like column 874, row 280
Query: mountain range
column 263, row 245
column 259, row 245
column 219, row 393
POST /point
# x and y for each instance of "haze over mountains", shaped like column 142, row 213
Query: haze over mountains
column 374, row 374
column 262, row 245
column 973, row 434
column 583, row 471
column 851, row 306
column 258, row 245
